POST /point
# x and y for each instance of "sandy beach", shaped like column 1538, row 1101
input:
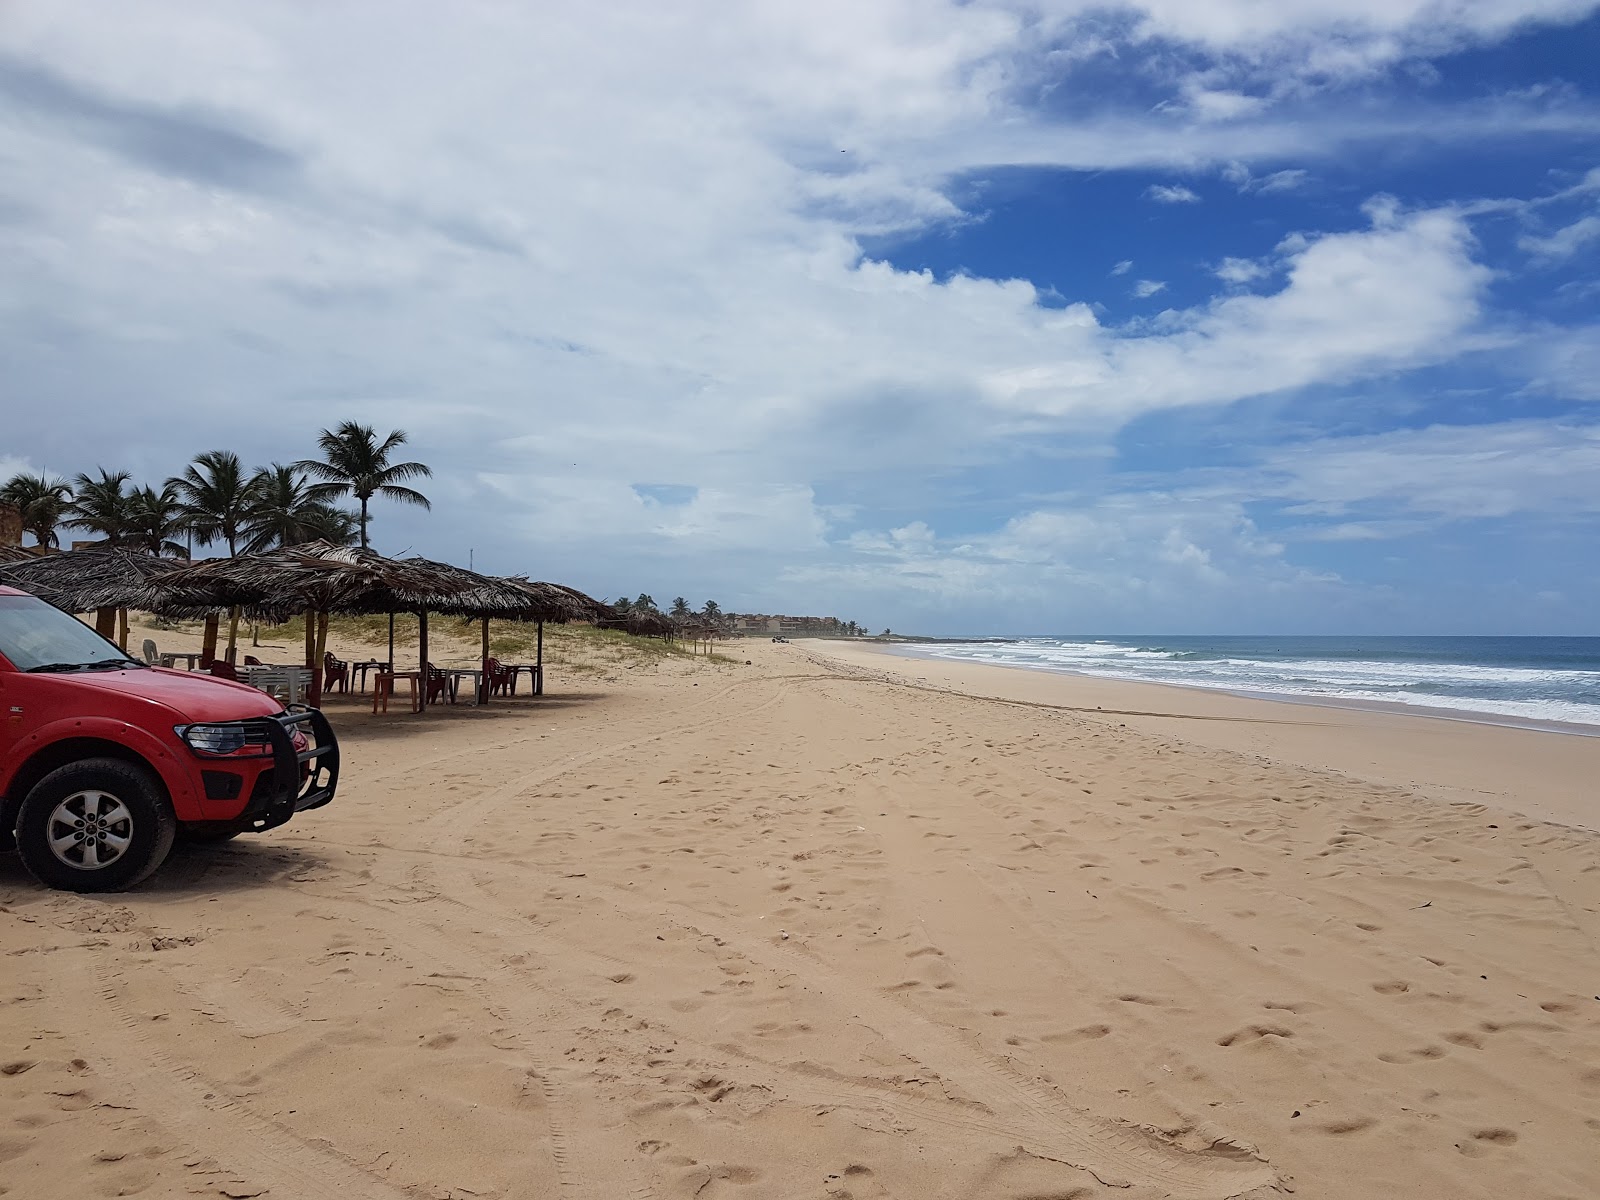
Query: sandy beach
column 841, row 925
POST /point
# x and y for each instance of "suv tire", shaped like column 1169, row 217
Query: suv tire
column 97, row 825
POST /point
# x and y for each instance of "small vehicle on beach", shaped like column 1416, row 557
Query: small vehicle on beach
column 105, row 760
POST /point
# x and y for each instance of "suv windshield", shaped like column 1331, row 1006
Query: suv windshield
column 34, row 636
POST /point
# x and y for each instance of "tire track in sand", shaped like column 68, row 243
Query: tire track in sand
column 198, row 1113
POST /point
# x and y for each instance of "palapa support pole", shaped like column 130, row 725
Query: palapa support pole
column 105, row 622
column 483, row 680
column 317, row 661
column 538, row 681
column 208, row 645
column 391, row 641
column 233, row 634
column 422, row 652
column 122, row 629
column 311, row 638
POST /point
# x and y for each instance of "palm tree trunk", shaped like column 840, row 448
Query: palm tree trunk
column 105, row 622
column 363, row 522
column 208, row 644
column 122, row 629
column 233, row 633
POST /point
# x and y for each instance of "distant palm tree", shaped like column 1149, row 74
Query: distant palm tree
column 623, row 605
column 712, row 611
column 646, row 603
column 356, row 464
column 218, row 499
column 42, row 503
column 101, row 505
column 680, row 607
column 155, row 519
column 285, row 513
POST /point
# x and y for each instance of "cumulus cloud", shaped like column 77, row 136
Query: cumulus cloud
column 624, row 243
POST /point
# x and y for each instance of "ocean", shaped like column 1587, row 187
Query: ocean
column 1528, row 678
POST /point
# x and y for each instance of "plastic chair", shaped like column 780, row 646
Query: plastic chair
column 222, row 669
column 495, row 677
column 151, row 654
column 250, row 660
column 438, row 685
column 335, row 671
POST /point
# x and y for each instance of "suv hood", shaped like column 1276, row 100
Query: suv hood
column 190, row 694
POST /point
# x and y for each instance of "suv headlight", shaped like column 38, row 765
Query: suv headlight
column 212, row 739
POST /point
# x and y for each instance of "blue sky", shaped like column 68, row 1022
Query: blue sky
column 1172, row 316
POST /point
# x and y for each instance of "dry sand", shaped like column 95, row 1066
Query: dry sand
column 811, row 928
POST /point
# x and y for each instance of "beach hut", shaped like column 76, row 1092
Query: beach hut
column 106, row 581
column 319, row 579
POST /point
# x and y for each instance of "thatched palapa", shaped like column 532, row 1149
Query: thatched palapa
column 80, row 581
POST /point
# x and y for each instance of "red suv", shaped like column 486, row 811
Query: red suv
column 104, row 760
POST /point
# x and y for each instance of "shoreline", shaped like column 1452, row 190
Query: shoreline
column 1471, row 716
column 1542, row 773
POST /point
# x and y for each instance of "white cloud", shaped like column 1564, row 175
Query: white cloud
column 1565, row 242
column 1241, row 270
column 1444, row 471
column 1172, row 194
column 1146, row 288
column 571, row 250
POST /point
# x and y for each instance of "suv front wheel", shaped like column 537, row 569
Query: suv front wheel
column 99, row 825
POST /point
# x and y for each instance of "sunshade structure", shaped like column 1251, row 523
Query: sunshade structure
column 641, row 622
column 10, row 554
column 318, row 578
column 102, row 581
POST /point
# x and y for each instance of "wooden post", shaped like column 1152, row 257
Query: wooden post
column 422, row 653
column 208, row 646
column 105, row 622
column 315, row 696
column 122, row 629
column 538, row 689
column 483, row 683
column 391, row 641
column 233, row 634
column 311, row 638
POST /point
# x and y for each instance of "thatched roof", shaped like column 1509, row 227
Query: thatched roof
column 640, row 621
column 345, row 579
column 83, row 580
column 15, row 554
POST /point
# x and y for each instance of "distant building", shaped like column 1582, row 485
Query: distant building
column 804, row 626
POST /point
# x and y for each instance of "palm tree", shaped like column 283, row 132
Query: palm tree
column 155, row 519
column 712, row 611
column 680, row 607
column 623, row 605
column 356, row 464
column 218, row 500
column 42, row 503
column 646, row 603
column 101, row 505
column 285, row 513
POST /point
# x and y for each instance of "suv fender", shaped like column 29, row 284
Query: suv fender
column 125, row 741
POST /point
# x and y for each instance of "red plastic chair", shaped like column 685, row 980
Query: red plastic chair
column 222, row 669
column 250, row 660
column 335, row 671
column 438, row 684
column 495, row 677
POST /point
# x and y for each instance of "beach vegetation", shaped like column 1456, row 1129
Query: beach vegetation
column 43, row 503
column 355, row 463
